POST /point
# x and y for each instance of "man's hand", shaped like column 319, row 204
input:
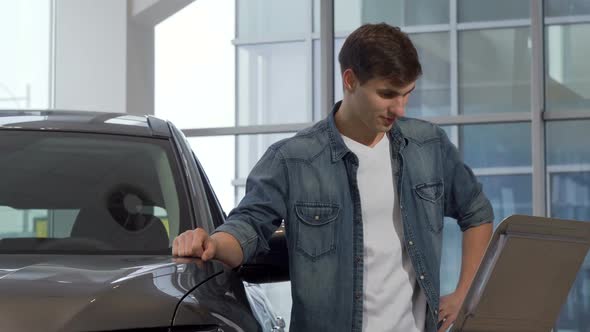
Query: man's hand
column 220, row 246
column 475, row 241
column 449, row 309
column 195, row 243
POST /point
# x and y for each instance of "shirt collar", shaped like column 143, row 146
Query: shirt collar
column 339, row 148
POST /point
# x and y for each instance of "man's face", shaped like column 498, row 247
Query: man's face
column 377, row 103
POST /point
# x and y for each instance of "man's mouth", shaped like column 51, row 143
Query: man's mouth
column 388, row 120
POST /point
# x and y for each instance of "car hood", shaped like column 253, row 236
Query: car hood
column 94, row 292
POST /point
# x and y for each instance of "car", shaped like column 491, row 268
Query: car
column 90, row 204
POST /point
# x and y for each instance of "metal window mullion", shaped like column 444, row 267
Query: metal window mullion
column 506, row 170
column 239, row 182
column 471, row 119
column 28, row 95
column 490, row 118
column 246, row 42
column 246, row 130
column 454, row 68
column 567, row 19
column 494, row 24
column 309, row 61
column 236, row 100
column 326, row 55
column 410, row 29
column 425, row 28
column 537, row 108
column 548, row 204
column 52, row 52
column 568, row 168
column 566, row 115
column 14, row 99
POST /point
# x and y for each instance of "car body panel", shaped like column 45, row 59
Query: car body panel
column 222, row 297
column 74, row 293
column 85, row 291
column 82, row 121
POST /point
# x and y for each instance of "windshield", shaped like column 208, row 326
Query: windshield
column 94, row 193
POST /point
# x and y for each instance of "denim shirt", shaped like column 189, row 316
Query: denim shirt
column 309, row 182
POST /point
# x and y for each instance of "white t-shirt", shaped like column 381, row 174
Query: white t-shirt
column 392, row 301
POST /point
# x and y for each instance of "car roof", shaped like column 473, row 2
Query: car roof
column 84, row 121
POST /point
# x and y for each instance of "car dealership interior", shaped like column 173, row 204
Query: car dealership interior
column 507, row 80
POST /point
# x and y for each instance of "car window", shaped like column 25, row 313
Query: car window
column 217, row 214
column 72, row 192
column 50, row 223
column 205, row 213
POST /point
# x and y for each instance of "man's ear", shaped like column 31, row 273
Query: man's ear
column 349, row 80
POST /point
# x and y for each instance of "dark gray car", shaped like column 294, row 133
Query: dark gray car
column 89, row 206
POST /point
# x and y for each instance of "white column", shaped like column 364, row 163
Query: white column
column 90, row 55
column 104, row 53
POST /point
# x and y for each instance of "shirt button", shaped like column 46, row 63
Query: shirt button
column 436, row 312
column 316, row 217
column 358, row 259
column 421, row 277
column 358, row 296
column 411, row 243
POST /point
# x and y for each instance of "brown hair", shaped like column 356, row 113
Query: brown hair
column 380, row 51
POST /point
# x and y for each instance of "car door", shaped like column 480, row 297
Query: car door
column 251, row 295
column 223, row 295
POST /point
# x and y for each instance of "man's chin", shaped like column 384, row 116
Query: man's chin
column 385, row 128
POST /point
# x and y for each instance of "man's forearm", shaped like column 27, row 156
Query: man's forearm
column 228, row 249
column 475, row 242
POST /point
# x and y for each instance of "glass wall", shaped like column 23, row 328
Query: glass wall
column 567, row 72
column 271, row 84
column 503, row 83
column 499, row 10
column 259, row 20
column 567, row 89
column 500, row 158
column 477, row 57
column 568, row 188
column 432, row 95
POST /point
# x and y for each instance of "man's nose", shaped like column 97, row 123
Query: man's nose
column 397, row 106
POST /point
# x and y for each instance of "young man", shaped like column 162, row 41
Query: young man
column 363, row 194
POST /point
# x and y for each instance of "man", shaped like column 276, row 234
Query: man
column 362, row 194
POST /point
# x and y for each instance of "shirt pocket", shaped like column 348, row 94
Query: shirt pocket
column 430, row 194
column 316, row 228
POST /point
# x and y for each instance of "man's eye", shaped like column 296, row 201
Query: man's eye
column 387, row 94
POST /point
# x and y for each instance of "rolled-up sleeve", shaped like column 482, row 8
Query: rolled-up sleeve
column 464, row 197
column 263, row 207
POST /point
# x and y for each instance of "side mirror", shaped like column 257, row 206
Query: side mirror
column 272, row 266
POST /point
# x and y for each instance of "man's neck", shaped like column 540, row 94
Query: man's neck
column 353, row 128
